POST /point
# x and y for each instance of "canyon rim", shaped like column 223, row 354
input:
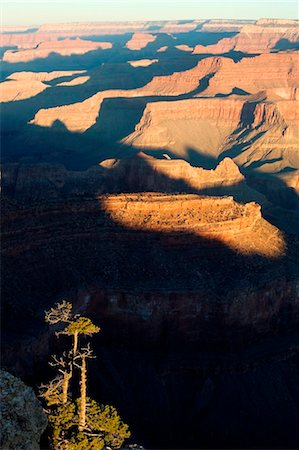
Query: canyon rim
column 150, row 176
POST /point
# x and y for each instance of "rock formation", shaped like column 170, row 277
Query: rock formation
column 142, row 62
column 250, row 74
column 140, row 173
column 139, row 41
column 22, row 418
column 155, row 185
column 66, row 47
column 23, row 85
column 254, row 39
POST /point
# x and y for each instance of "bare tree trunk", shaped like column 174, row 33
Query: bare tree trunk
column 75, row 347
column 65, row 386
column 82, row 409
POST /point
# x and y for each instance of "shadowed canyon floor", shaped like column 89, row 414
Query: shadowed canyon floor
column 150, row 175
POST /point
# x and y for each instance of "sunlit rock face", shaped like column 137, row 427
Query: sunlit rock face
column 23, row 85
column 261, row 37
column 150, row 176
column 220, row 218
column 139, row 41
column 218, row 249
column 65, row 47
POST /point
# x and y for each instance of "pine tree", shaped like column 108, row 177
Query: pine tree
column 82, row 423
column 79, row 326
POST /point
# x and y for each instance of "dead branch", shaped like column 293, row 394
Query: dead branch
column 61, row 312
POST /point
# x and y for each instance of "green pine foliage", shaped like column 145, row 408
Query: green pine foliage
column 81, row 325
column 102, row 426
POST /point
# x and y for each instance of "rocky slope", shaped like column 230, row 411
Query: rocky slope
column 129, row 227
column 186, row 270
column 214, row 127
column 140, row 173
column 162, row 275
column 22, row 418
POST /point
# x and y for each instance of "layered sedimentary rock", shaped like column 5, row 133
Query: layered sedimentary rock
column 250, row 74
column 23, row 85
column 255, row 38
column 184, row 48
column 181, row 125
column 65, row 47
column 142, row 62
column 75, row 81
column 139, row 41
column 261, row 36
column 134, row 174
column 224, row 76
column 192, row 292
column 215, row 126
column 22, row 417
column 14, row 90
column 220, row 218
column 218, row 25
column 107, row 238
column 53, row 32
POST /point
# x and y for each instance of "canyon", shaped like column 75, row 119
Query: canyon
column 150, row 175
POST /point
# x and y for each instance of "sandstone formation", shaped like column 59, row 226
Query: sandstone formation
column 218, row 218
column 214, row 126
column 44, row 76
column 253, row 39
column 220, row 25
column 23, row 85
column 14, row 90
column 277, row 22
column 75, row 81
column 155, row 185
column 162, row 49
column 184, row 48
column 142, row 62
column 22, row 418
column 139, row 41
column 106, row 238
column 251, row 74
column 77, row 116
column 226, row 76
column 65, row 47
column 179, row 125
column 133, row 174
column 259, row 36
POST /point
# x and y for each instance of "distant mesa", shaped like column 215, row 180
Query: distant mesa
column 43, row 76
column 261, row 121
column 14, row 90
column 162, row 49
column 75, row 82
column 223, row 25
column 64, row 47
column 142, row 62
column 184, row 48
column 253, row 38
column 24, row 85
column 277, row 22
column 265, row 71
column 240, row 227
column 140, row 41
